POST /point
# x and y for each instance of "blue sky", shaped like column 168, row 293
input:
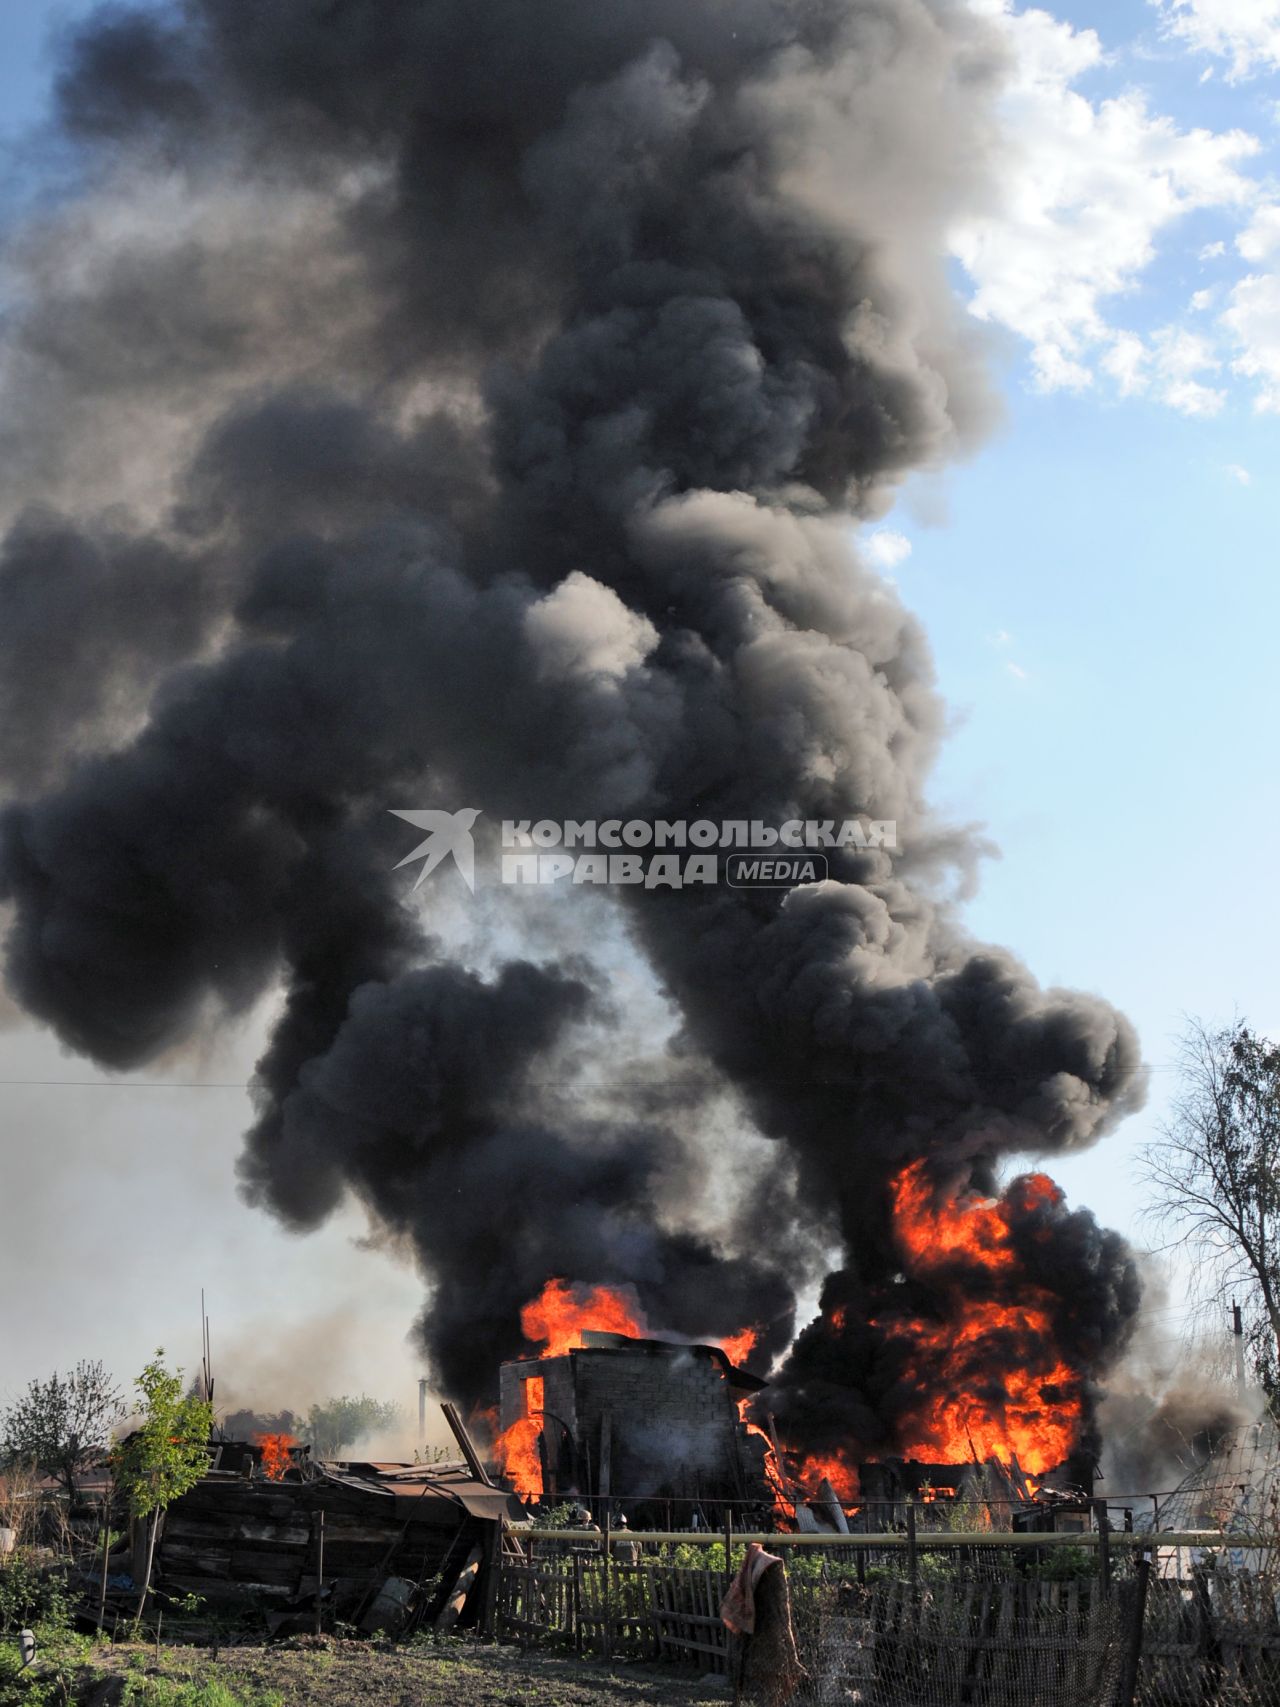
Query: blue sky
column 1099, row 583
column 1100, row 587
column 28, row 33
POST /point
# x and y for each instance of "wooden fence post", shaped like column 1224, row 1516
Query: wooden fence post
column 1137, row 1623
column 913, row 1560
column 319, row 1571
column 1208, row 1647
column 106, row 1551
column 491, row 1565
column 1104, row 1545
column 608, row 1584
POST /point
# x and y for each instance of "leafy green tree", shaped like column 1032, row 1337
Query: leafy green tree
column 1214, row 1175
column 341, row 1422
column 166, row 1454
column 63, row 1425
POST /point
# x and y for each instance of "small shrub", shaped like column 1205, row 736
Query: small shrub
column 557, row 1516
column 1063, row 1564
column 29, row 1596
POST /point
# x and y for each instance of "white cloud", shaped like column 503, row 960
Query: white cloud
column 1087, row 190
column 1247, row 32
column 1001, row 637
column 887, row 549
column 1180, row 357
column 1168, row 368
column 1252, row 316
column 1017, row 672
column 1189, row 397
column 1241, row 476
column 1253, row 320
column 1261, row 237
column 1126, row 362
column 1201, row 300
column 1212, row 251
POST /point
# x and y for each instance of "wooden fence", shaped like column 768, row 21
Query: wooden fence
column 985, row 1629
column 967, row 1644
column 648, row 1611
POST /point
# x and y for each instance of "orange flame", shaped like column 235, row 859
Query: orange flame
column 773, row 1471
column 972, row 1227
column 517, row 1446
column 556, row 1321
column 738, row 1347
column 559, row 1316
column 1000, row 1388
column 838, row 1468
column 275, row 1454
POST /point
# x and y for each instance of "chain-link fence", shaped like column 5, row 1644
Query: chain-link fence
column 989, row 1644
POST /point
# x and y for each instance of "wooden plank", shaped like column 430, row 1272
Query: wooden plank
column 464, row 1440
column 452, row 1609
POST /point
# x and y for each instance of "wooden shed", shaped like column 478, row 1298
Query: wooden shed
column 234, row 1538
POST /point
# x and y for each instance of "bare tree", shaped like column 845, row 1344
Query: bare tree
column 1214, row 1175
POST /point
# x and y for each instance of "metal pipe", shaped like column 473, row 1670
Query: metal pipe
column 930, row 1540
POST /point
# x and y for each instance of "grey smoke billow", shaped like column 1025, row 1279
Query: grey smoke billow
column 528, row 367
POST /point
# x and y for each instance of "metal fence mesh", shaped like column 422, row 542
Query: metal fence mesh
column 981, row 1642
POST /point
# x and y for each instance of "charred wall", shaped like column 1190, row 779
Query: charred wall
column 643, row 1421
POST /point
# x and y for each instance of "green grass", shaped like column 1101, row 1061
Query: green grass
column 58, row 1677
column 204, row 1692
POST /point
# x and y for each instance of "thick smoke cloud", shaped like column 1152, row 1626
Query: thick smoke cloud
column 532, row 489
column 87, row 619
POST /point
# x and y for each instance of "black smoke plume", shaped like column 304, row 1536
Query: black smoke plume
column 494, row 392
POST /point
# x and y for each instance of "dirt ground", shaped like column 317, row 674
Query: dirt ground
column 325, row 1672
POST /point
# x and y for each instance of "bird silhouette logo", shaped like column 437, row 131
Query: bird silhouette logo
column 447, row 833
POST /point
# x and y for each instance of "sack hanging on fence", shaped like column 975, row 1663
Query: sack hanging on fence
column 757, row 1609
column 738, row 1608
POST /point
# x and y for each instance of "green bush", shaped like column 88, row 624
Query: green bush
column 14, row 1687
column 31, row 1686
column 1062, row 1564
column 29, row 1596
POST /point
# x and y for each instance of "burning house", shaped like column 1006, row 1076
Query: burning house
column 635, row 1420
column 582, row 340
